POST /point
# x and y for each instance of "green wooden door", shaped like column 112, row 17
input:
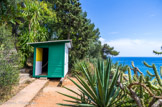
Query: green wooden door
column 56, row 60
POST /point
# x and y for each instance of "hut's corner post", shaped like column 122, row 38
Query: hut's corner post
column 34, row 61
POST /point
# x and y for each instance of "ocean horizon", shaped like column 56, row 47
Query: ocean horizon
column 138, row 62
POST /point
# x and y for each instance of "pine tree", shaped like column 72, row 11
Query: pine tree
column 69, row 19
column 73, row 24
column 107, row 50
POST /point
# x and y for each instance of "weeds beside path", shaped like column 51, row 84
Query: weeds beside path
column 49, row 97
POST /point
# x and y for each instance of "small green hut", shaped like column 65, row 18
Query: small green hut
column 51, row 58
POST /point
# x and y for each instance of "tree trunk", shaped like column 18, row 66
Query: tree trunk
column 68, row 36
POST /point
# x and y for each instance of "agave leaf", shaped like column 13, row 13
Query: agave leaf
column 90, row 83
column 89, row 80
column 103, row 74
column 83, row 89
column 114, row 80
column 99, row 87
column 114, row 96
column 85, row 105
column 75, row 98
column 76, row 105
column 72, row 101
column 72, row 91
column 72, row 105
column 101, row 94
column 89, row 90
column 107, row 78
column 88, row 72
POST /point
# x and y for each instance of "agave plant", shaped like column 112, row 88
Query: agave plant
column 98, row 89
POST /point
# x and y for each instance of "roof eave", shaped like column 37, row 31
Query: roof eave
column 46, row 42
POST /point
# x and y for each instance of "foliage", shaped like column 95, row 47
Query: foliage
column 98, row 89
column 83, row 40
column 34, row 20
column 123, row 68
column 8, row 59
column 107, row 50
column 69, row 16
column 8, row 11
column 76, row 66
column 41, row 20
column 141, row 91
column 8, row 78
column 73, row 24
column 95, row 50
column 34, row 25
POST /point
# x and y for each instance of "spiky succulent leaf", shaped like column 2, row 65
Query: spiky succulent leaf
column 103, row 93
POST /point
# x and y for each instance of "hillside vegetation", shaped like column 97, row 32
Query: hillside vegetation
column 26, row 21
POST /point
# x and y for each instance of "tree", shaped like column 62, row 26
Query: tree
column 69, row 19
column 8, row 11
column 73, row 24
column 95, row 50
column 107, row 50
column 36, row 26
column 42, row 20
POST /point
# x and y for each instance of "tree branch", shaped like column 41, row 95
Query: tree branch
column 146, row 88
column 132, row 94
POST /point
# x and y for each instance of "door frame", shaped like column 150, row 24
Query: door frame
column 34, row 62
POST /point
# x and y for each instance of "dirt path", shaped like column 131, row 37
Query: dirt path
column 49, row 97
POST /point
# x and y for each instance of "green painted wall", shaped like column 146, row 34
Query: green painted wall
column 56, row 60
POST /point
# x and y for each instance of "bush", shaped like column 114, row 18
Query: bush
column 8, row 78
column 8, row 60
column 76, row 66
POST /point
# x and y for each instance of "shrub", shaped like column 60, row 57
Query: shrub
column 76, row 66
column 8, row 60
column 8, row 78
column 97, row 89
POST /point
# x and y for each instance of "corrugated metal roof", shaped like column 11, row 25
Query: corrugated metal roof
column 46, row 42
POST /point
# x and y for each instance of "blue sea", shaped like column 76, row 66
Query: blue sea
column 138, row 62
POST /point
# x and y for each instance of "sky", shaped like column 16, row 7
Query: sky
column 132, row 27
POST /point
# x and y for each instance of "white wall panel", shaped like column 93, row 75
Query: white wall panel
column 66, row 60
column 38, row 68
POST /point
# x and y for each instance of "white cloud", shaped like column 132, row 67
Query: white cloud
column 112, row 33
column 134, row 47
